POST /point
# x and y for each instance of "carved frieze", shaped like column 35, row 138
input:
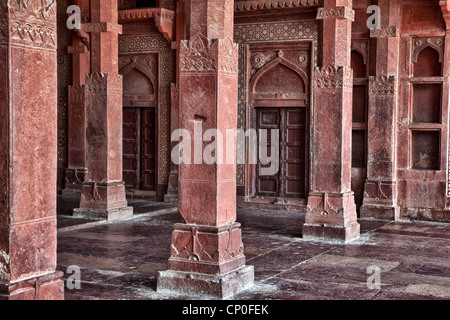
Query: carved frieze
column 252, row 5
column 384, row 33
column 99, row 82
column 201, row 54
column 333, row 77
column 382, row 85
column 342, row 12
column 31, row 21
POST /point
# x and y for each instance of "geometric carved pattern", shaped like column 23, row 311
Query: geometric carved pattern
column 245, row 5
column 270, row 33
column 157, row 44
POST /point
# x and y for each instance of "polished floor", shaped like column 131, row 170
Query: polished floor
column 121, row 260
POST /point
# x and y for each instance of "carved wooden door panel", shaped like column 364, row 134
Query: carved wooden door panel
column 148, row 148
column 130, row 147
column 293, row 152
column 290, row 179
column 267, row 185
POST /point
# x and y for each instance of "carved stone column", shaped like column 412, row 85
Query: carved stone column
column 28, row 148
column 331, row 210
column 380, row 190
column 172, row 188
column 207, row 252
column 103, row 192
column 76, row 170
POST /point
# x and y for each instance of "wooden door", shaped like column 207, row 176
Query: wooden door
column 130, row 147
column 290, row 180
column 148, row 147
column 139, row 148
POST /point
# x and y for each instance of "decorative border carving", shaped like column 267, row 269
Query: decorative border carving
column 333, row 77
column 342, row 12
column 157, row 44
column 382, row 85
column 99, row 82
column 384, row 33
column 240, row 6
column 32, row 21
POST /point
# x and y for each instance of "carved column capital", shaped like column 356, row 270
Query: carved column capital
column 342, row 12
column 382, row 85
column 384, row 32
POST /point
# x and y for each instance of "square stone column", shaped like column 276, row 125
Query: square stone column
column 380, row 190
column 103, row 192
column 331, row 210
column 28, row 148
column 76, row 170
column 207, row 254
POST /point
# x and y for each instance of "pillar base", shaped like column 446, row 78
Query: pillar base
column 331, row 233
column 379, row 212
column 47, row 287
column 108, row 214
column 74, row 179
column 221, row 286
column 104, row 200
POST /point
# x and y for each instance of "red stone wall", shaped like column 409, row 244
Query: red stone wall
column 423, row 113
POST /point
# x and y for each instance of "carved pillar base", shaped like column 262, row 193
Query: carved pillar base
column 380, row 200
column 103, row 201
column 224, row 286
column 331, row 217
column 74, row 178
column 207, row 260
column 47, row 287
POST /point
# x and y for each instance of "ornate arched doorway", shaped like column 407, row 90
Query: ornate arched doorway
column 279, row 101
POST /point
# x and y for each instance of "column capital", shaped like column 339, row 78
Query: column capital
column 388, row 32
column 382, row 85
column 341, row 12
column 102, row 27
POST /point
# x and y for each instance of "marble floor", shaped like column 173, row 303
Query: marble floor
column 121, row 260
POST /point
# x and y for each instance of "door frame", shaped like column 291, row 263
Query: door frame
column 256, row 100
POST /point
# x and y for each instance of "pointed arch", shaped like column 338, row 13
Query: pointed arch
column 277, row 63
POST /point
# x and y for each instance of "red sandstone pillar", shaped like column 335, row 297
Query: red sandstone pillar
column 331, row 211
column 76, row 170
column 103, row 192
column 207, row 252
column 172, row 188
column 28, row 147
column 380, row 190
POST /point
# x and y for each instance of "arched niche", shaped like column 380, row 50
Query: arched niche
column 427, row 62
column 139, row 86
column 136, row 83
column 279, row 83
column 358, row 64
